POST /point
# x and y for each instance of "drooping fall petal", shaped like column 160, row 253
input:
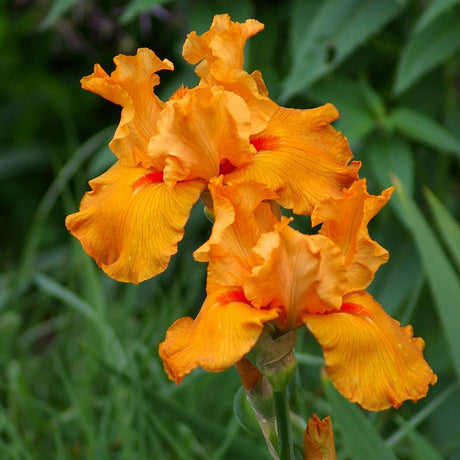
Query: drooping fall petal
column 318, row 441
column 131, row 221
column 131, row 86
column 226, row 328
column 371, row 359
column 345, row 221
column 301, row 157
column 198, row 132
column 241, row 216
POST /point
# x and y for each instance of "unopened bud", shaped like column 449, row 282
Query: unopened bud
column 318, row 441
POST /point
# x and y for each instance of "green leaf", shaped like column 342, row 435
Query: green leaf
column 335, row 30
column 426, row 50
column 373, row 99
column 365, row 20
column 360, row 437
column 302, row 14
column 433, row 10
column 422, row 128
column 392, row 156
column 447, row 225
column 400, row 280
column 442, row 278
column 351, row 99
column 137, row 7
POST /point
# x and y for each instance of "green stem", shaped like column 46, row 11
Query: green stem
column 283, row 423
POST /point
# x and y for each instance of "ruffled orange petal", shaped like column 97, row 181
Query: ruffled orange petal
column 131, row 221
column 131, row 86
column 345, row 222
column 298, row 273
column 199, row 132
column 252, row 89
column 220, row 51
column 221, row 46
column 301, row 157
column 241, row 216
column 226, row 328
column 371, row 359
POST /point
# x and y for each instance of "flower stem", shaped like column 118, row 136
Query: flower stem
column 283, row 423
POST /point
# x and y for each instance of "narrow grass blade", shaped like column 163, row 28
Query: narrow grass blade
column 59, row 292
column 422, row 448
column 424, row 413
column 46, row 204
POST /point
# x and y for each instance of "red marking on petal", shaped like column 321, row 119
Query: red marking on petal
column 226, row 167
column 232, row 296
column 265, row 142
column 348, row 307
column 150, row 178
column 353, row 308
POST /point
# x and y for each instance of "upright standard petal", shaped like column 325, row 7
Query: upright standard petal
column 200, row 132
column 345, row 221
column 131, row 221
column 371, row 359
column 301, row 157
column 219, row 52
column 226, row 328
column 131, row 86
column 241, row 216
column 222, row 44
column 298, row 273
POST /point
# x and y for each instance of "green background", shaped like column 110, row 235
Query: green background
column 80, row 376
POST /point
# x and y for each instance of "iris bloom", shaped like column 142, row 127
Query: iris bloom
column 167, row 152
column 262, row 271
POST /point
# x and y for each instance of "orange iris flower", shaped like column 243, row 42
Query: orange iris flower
column 263, row 271
column 167, row 152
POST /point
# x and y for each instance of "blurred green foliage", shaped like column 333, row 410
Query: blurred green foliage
column 79, row 374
